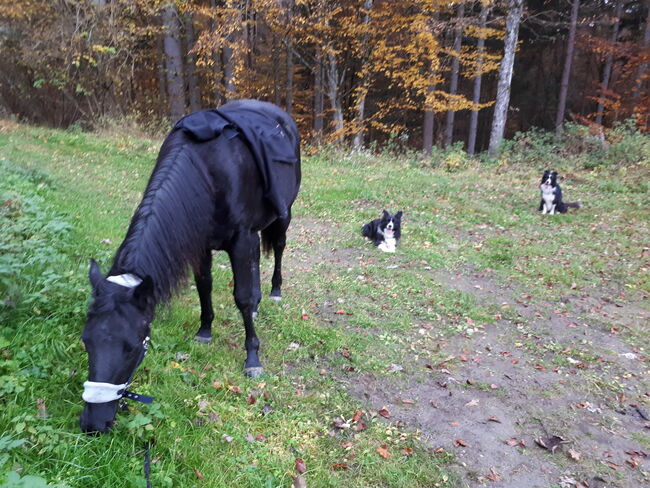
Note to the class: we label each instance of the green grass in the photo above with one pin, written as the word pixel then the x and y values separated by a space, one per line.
pixel 210 426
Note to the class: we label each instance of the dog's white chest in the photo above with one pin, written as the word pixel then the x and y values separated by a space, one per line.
pixel 388 245
pixel 548 195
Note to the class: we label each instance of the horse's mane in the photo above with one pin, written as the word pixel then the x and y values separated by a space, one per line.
pixel 168 232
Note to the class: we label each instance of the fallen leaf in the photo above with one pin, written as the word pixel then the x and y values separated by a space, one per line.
pixel 234 389
pixel 260 437
pixel 551 443
pixel 251 399
pixel 408 451
pixel 493 475
pixel 512 442
pixel 383 452
pixel 494 419
pixel 407 401
pixel 633 462
pixel 267 409
pixel 300 466
pixel 198 473
pixel 612 465
pixel 203 405
pixel 299 482
pixel 460 443
pixel 384 412
pixel 472 403
pixel 340 466
pixel 573 454
pixel 454 424
pixel 227 438
pixel 394 368
pixel 357 416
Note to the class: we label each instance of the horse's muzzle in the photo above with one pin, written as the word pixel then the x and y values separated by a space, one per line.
pixel 98 418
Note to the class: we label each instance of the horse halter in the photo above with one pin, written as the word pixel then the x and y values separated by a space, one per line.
pixel 99 392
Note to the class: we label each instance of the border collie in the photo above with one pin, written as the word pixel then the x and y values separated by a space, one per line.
pixel 551 201
pixel 384 232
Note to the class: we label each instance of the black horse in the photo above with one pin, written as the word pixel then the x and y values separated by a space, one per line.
pixel 205 193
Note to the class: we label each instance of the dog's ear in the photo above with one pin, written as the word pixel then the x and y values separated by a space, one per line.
pixel 554 173
pixel 385 214
pixel 398 215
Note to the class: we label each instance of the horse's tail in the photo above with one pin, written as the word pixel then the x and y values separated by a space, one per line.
pixel 275 235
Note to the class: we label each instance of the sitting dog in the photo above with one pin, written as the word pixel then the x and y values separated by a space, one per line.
pixel 551 201
pixel 384 232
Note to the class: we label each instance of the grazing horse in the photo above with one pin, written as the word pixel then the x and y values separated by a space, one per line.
pixel 205 193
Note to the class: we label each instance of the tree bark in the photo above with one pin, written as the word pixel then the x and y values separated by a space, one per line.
pixel 290 67
pixel 194 93
pixel 515 11
pixel 607 69
pixel 429 112
pixel 455 68
pixel 319 104
pixel 566 72
pixel 334 94
pixel 638 88
pixel 476 95
pixel 361 91
pixel 174 63
pixel 216 59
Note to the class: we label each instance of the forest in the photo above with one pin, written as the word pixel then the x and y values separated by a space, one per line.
pixel 418 73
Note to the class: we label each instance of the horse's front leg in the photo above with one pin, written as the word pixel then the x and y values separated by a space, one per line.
pixel 245 261
pixel 203 279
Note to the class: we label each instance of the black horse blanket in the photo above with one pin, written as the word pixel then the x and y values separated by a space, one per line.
pixel 270 134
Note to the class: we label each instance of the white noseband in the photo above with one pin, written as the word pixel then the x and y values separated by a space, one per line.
pixel 96 392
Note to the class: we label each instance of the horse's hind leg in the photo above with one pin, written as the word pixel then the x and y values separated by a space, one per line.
pixel 275 236
pixel 245 260
pixel 203 279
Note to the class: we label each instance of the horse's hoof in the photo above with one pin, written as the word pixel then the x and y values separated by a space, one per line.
pixel 203 339
pixel 254 372
pixel 276 298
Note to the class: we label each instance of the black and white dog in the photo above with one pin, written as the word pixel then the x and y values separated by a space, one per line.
pixel 551 201
pixel 384 232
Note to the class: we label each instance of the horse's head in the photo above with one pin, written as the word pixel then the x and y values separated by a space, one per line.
pixel 118 323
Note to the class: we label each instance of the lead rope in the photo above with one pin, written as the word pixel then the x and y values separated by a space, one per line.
pixel 147 463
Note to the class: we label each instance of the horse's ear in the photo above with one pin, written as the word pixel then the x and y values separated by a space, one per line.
pixel 94 274
pixel 143 293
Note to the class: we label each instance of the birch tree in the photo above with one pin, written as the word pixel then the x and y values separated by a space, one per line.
pixel 515 12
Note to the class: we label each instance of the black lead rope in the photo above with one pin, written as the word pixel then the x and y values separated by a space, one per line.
pixel 147 463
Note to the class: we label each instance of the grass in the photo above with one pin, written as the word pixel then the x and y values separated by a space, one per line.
pixel 347 311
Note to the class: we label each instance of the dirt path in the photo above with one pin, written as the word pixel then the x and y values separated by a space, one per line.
pixel 503 387
pixel 540 370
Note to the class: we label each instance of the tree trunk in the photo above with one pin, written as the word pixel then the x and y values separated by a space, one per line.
pixel 638 88
pixel 361 91
pixel 192 76
pixel 277 94
pixel 515 11
pixel 334 94
pixel 290 68
pixel 566 72
pixel 476 95
pixel 174 63
pixel 216 58
pixel 455 68
pixel 227 53
pixel 319 104
pixel 289 91
pixel 429 111
pixel 607 70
